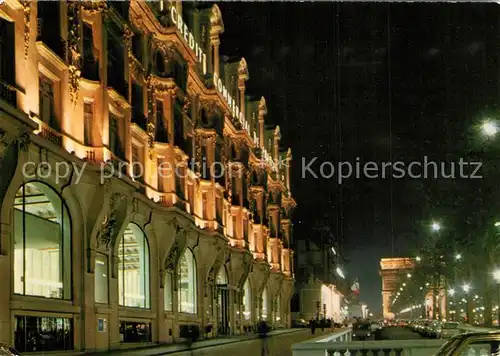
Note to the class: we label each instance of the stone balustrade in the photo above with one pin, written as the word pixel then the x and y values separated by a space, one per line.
pixel 340 344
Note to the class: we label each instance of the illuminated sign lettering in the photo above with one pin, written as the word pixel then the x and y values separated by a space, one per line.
pixel 189 38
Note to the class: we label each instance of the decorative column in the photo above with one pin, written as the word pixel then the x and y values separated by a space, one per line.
pixel 287 169
pixel 276 143
pixel 262 113
pixel 242 78
pixel 217 27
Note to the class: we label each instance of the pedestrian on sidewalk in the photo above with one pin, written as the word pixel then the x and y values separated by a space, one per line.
pixel 263 330
pixel 312 325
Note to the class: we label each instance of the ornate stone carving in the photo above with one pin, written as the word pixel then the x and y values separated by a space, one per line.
pixel 167 47
pixel 24 139
pixel 108 227
pixel 74 75
pixel 27 24
pixel 94 6
pixel 210 107
pixel 243 70
pixel 127 39
pixel 73 52
pixel 151 127
pixel 172 257
pixel 216 23
pixel 262 107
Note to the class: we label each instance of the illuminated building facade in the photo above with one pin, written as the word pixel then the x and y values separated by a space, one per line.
pixel 142 194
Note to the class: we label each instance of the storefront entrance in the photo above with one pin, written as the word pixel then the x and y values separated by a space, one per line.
pixel 223 310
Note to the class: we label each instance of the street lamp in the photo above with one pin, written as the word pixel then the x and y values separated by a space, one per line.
pixel 436 226
pixel 496 275
pixel 451 292
pixel 408 275
pixel 489 128
pixel 466 287
pixel 418 258
pixel 458 256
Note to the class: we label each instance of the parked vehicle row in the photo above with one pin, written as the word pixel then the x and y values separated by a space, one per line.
pixel 435 328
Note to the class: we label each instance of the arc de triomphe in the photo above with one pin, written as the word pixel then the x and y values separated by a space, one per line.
pixel 390 269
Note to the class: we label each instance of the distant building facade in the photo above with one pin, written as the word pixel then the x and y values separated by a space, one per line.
pixel 142 196
pixel 318 288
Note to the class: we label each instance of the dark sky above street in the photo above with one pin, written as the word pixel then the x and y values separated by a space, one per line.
pixel 378 81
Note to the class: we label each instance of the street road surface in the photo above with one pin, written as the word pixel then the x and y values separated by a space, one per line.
pixel 278 345
pixel 397 333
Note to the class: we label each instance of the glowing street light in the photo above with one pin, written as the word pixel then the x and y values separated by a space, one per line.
pixel 489 128
pixel 451 292
pixel 436 226
pixel 466 287
pixel 408 275
pixel 418 258
pixel 497 224
pixel 340 273
pixel 458 256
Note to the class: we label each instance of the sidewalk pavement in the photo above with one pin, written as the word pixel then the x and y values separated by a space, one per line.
pixel 173 348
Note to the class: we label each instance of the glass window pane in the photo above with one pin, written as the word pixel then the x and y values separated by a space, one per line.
pixel 168 292
pixel 265 303
pixel 42 249
pixel 42 334
pixel 187 283
pixel 247 301
pixel 101 278
pixel 133 276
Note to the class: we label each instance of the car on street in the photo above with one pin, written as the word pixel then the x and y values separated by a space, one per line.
pixel 471 344
pixel 361 331
pixel 6 350
pixel 449 329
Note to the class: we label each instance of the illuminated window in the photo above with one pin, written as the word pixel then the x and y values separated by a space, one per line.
pixel 168 292
pixel 42 243
pixel 247 300
pixel 88 121
pixel 101 278
pixel 133 268
pixel 222 277
pixel 278 308
pixel 186 271
pixel 47 101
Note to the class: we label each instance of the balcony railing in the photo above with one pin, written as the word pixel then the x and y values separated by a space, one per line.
pixel 48 132
pixel 8 93
pixel 90 156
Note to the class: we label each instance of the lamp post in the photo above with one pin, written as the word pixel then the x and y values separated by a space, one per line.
pixel 451 292
pixel 496 275
pixel 436 228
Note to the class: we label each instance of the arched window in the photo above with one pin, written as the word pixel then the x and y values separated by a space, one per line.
pixel 265 304
pixel 133 268
pixel 186 270
pixel 42 243
pixel 247 300
pixel 222 276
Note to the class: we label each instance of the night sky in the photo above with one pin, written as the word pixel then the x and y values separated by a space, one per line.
pixel 378 81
